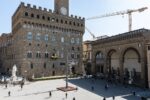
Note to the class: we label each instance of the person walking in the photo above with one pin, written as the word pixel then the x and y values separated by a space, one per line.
pixel 104 98
pixel 134 93
pixel 50 94
pixel 66 95
pixel 8 93
pixel 113 97
pixel 92 88
pixel 74 98
pixel 6 85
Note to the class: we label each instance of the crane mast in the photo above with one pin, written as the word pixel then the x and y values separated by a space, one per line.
pixel 129 12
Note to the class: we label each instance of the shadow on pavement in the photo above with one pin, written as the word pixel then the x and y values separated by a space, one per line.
pixel 99 88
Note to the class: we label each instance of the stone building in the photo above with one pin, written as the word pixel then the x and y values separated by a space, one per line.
pixel 44 41
pixel 87 56
pixel 123 57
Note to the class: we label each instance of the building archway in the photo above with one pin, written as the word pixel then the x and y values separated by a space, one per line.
pixel 113 63
pixel 131 65
pixel 99 63
pixel 88 68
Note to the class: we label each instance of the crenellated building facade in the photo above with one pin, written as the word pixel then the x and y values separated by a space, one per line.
pixel 44 41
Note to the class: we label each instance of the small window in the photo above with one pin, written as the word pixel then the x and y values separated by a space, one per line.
pixel 46 45
pixel 72 40
pixel 31 65
pixel 78 48
pixel 26 13
pixel 62 63
pixel 62 21
pixel 62 55
pixel 29 54
pixel 74 23
pixel 78 41
pixel 73 48
pixel 57 20
pixel 70 23
pixel 32 15
pixel 43 17
pixel 38 55
pixel 53 19
pixel 53 65
pixel 53 38
pixel 44 65
pixel 48 18
pixel 78 56
pixel 29 44
pixel 72 55
pixel 46 55
pixel 37 16
pixel 65 22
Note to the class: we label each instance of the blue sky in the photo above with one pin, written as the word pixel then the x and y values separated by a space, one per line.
pixel 88 8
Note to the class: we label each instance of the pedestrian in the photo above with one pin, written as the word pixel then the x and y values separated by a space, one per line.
pixel 92 88
pixel 74 98
pixel 134 93
pixel 66 95
pixel 76 88
pixel 8 93
pixel 104 98
pixel 6 86
pixel 106 87
pixel 21 86
pixel 113 97
pixel 50 94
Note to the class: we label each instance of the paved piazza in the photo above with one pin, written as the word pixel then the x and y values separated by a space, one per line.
pixel 40 91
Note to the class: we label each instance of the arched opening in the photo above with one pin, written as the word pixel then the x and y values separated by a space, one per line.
pixel 132 66
pixel 99 65
pixel 113 64
pixel 88 68
pixel 73 70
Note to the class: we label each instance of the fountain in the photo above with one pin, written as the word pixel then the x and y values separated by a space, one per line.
pixel 14 78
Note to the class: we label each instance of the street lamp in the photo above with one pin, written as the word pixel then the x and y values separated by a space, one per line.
pixel 67 88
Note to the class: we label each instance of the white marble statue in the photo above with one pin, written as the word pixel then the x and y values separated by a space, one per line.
pixel 14 70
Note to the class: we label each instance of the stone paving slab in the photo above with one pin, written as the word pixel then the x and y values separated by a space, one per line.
pixel 40 91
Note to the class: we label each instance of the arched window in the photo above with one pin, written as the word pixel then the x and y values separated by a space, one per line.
pixel 38 55
pixel 46 37
pixel 43 17
pixel 38 36
pixel 48 18
pixel 32 15
pixel 72 40
pixel 62 39
pixel 46 55
pixel 31 65
pixel 78 40
pixel 53 38
pixel 29 36
pixel 26 14
pixel 29 54
pixel 37 16
pixel 44 65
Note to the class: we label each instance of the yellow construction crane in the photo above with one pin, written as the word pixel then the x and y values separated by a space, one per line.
pixel 129 12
